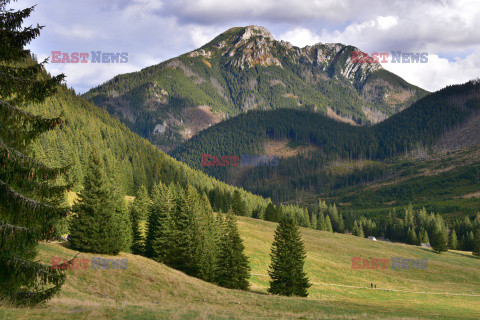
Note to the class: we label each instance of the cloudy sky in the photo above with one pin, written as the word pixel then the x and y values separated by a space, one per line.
pixel 152 31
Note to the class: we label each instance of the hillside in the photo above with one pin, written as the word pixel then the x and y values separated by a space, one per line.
pixel 149 290
pixel 129 160
pixel 247 69
pixel 324 157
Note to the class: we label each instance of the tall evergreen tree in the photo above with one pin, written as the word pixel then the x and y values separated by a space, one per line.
pixel 412 236
pixel 314 220
pixel 232 270
pixel 29 196
pixel 270 213
pixel 208 245
pixel 288 258
pixel 469 241
pixel 238 205
pixel 328 224
pixel 139 211
pixel 423 236
pixel 438 240
pixel 453 244
pixel 321 222
pixel 358 230
pixel 97 226
pixel 160 225
pixel 183 232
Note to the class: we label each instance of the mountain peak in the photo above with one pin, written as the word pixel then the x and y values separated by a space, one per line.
pixel 254 30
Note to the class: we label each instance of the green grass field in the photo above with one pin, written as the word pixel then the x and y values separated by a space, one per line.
pixel 149 290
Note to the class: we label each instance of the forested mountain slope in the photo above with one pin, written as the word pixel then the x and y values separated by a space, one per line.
pixel 246 69
pixel 129 159
pixel 325 141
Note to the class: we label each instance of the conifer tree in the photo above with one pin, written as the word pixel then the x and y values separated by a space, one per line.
pixel 321 224
pixel 453 244
pixel 411 236
pixel 160 225
pixel 238 205
pixel 270 213
pixel 183 232
pixel 469 241
pixel 438 240
pixel 120 204
pixel 322 206
pixel 423 235
pixel 328 224
pixel 97 226
pixel 139 211
pixel 29 197
pixel 314 220
pixel 341 224
pixel 358 230
pixel 232 269
pixel 288 258
pixel 333 214
pixel 207 247
pixel 476 244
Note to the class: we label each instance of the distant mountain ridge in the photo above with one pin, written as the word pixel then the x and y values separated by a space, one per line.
pixel 245 68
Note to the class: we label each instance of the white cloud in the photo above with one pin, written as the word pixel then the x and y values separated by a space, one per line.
pixel 386 23
pixel 76 31
pixel 85 76
pixel 437 72
pixel 300 37
pixel 154 30
pixel 201 35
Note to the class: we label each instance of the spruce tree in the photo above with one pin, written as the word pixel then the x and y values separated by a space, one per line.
pixel 182 235
pixel 270 213
pixel 208 245
pixel 29 197
pixel 97 226
pixel 438 240
pixel 341 224
pixel 238 205
pixel 321 225
pixel 453 244
pixel 160 225
pixel 314 220
pixel 328 224
pixel 358 230
pixel 476 244
pixel 232 269
pixel 423 235
pixel 469 241
pixel 139 211
pixel 412 236
pixel 288 258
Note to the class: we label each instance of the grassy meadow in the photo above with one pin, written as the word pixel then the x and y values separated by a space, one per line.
pixel 149 290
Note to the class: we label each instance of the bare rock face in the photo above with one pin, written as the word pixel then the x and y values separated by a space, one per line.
pixel 252 47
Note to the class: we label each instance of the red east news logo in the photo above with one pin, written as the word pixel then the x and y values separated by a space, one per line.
pixel 224 161
pixel 359 263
